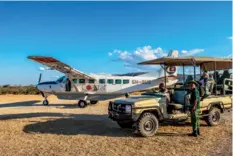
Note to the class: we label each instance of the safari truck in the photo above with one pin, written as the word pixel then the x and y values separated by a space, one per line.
pixel 144 113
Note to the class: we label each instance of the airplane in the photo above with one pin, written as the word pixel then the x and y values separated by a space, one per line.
pixel 76 85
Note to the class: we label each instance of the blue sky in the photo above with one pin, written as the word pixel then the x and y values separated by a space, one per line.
pixel 99 37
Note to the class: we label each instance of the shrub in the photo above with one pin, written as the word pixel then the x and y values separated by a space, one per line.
pixel 7 89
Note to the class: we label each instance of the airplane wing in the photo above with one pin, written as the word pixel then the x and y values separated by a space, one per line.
pixel 59 66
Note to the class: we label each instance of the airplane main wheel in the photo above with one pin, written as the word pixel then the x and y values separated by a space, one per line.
pixel 93 102
pixel 82 104
pixel 45 102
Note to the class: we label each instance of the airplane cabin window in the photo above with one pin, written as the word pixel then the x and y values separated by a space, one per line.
pixel 102 81
pixel 91 81
pixel 81 80
pixel 117 81
pixel 110 81
pixel 125 81
pixel 75 80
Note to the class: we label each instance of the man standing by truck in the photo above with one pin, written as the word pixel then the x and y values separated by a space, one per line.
pixel 195 108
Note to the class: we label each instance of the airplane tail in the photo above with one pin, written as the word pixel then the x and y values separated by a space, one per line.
pixel 171 71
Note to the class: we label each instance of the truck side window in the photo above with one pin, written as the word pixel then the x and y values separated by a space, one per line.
pixel 110 81
pixel 101 81
pixel 91 81
pixel 117 81
pixel 125 81
pixel 81 80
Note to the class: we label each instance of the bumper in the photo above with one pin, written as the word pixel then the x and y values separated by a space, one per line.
pixel 119 116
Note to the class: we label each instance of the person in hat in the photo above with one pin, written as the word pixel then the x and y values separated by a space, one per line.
pixel 195 109
pixel 164 90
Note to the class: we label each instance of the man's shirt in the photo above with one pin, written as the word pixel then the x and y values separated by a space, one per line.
pixel 195 96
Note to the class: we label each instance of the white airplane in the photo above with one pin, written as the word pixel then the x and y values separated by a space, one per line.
pixel 76 85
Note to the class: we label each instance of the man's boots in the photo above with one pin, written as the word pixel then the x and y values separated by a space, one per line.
pixel 194 133
pixel 198 131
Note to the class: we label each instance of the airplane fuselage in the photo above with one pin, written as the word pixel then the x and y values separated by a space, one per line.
pixel 103 84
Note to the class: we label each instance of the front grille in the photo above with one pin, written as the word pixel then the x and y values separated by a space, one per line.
pixel 118 108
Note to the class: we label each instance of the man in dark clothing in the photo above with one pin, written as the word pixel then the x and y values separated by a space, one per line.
pixel 163 89
pixel 195 103
pixel 68 85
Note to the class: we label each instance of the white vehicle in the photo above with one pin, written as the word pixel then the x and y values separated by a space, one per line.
pixel 76 85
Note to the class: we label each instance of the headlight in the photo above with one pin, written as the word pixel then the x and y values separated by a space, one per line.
pixel 128 108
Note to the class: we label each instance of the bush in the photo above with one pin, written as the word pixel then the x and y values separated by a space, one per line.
pixel 7 89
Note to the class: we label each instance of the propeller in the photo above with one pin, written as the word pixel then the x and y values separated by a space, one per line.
pixel 39 82
pixel 40 78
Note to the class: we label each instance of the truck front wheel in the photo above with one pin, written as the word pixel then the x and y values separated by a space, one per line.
pixel 214 116
pixel 147 125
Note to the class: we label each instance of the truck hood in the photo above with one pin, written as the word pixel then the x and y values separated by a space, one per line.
pixel 134 99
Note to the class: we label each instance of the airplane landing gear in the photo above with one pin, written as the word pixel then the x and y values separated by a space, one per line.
pixel 82 103
pixel 45 102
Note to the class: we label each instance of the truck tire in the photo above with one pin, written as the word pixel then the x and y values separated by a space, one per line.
pixel 214 116
pixel 147 125
pixel 125 124
pixel 93 102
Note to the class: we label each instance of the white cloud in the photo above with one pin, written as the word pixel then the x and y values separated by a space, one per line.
pixel 42 68
pixel 140 54
pixel 191 52
pixel 130 59
pixel 230 38
pixel 228 56
pixel 109 54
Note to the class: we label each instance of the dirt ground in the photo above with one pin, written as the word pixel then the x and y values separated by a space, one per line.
pixel 29 128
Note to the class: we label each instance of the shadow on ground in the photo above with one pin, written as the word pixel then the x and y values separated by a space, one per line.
pixel 35 103
pixel 20 104
pixel 84 124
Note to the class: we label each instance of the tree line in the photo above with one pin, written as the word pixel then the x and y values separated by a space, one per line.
pixel 26 90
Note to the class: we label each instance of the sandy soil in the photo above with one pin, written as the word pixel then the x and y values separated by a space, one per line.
pixel 28 128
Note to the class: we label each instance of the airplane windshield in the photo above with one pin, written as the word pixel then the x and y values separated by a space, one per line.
pixel 60 79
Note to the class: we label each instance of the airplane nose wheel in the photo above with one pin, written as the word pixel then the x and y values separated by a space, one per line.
pixel 45 102
pixel 82 103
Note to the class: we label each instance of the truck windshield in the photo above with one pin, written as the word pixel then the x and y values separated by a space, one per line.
pixel 60 79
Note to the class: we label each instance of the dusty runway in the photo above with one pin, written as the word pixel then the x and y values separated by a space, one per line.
pixel 28 128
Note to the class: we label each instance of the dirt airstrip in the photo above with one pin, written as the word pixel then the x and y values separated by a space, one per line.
pixel 29 128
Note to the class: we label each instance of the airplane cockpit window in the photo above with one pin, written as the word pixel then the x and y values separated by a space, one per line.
pixel 60 79
pixel 110 81
pixel 102 81
pixel 91 81
pixel 125 81
pixel 81 80
pixel 117 81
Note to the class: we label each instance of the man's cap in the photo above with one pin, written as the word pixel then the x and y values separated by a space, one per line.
pixel 193 82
